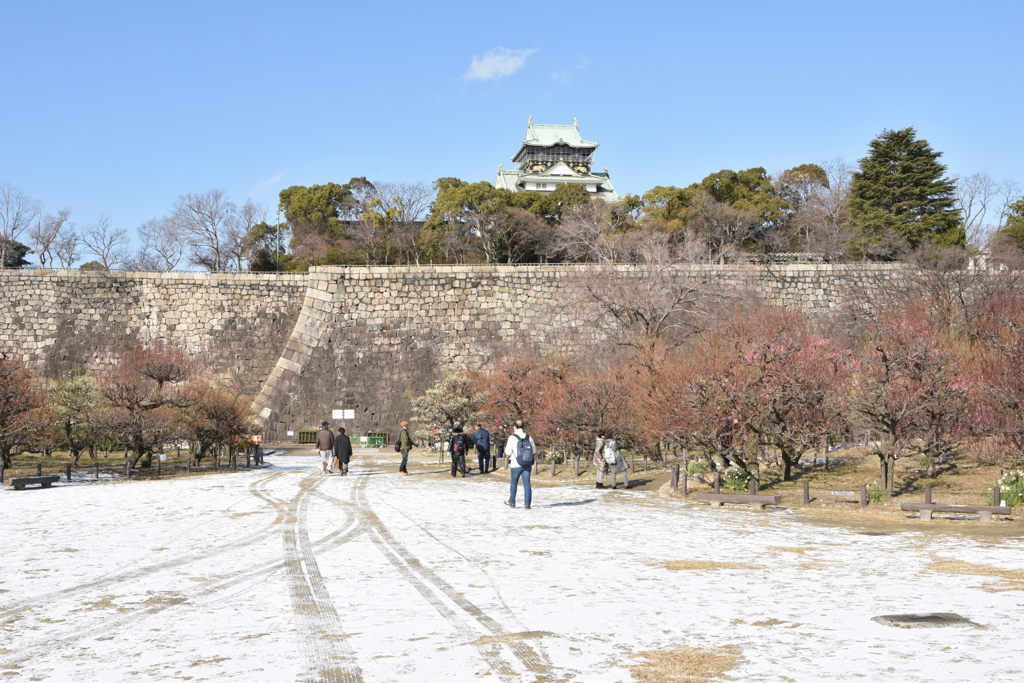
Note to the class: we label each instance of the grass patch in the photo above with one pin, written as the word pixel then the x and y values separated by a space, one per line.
pixel 510 637
pixel 1011 579
pixel 685 664
pixel 703 565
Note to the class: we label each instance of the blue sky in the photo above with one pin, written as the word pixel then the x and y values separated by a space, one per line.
pixel 118 108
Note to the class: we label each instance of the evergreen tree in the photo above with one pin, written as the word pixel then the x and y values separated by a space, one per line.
pixel 1012 231
pixel 900 197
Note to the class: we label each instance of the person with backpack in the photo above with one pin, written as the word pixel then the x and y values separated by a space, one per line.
pixel 520 450
pixel 482 439
pixel 403 446
pixel 325 446
pixel 458 444
pixel 616 461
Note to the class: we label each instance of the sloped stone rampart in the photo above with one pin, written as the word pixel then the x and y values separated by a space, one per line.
pixel 367 338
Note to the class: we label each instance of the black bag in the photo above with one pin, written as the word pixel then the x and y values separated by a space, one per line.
pixel 398 446
pixel 459 444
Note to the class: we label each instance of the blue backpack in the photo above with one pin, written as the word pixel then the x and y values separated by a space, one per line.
pixel 525 452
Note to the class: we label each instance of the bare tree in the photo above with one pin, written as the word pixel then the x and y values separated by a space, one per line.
pixel 67 247
pixel 204 220
pixel 391 219
pixel 47 232
pixel 721 228
pixel 163 245
pixel 824 216
pixel 106 243
pixel 17 213
pixel 237 247
pixel 586 233
pixel 647 309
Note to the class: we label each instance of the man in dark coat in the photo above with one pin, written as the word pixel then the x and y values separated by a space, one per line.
pixel 458 444
pixel 342 451
pixel 482 440
pixel 405 444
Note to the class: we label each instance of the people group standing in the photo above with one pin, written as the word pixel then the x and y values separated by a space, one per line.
pixel 482 441
pixel 520 450
pixel 342 451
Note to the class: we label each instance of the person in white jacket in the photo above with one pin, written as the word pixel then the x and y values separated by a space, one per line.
pixel 515 454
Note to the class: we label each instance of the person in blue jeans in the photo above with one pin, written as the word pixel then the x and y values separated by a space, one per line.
pixel 482 439
pixel 520 470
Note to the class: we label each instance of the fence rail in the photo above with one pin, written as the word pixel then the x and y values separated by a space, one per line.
pixel 113 469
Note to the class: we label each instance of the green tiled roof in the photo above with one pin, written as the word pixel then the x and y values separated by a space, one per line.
pixel 546 135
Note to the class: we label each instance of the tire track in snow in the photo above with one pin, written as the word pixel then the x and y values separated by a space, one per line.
pixel 40 601
pixel 322 641
pixel 413 570
pixel 257 575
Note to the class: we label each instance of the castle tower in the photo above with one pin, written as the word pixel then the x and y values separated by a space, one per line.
pixel 554 155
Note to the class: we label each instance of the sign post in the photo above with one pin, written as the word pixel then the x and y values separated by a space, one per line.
pixel 343 414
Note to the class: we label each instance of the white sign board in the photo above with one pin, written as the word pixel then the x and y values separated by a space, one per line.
pixel 342 414
pixel 291 433
pixel 163 457
pixel 350 415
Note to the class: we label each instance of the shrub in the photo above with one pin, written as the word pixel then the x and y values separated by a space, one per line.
pixel 697 467
pixel 1011 487
pixel 736 479
pixel 556 458
pixel 875 493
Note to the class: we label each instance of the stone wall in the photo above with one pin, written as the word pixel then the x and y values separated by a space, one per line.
pixel 66 320
pixel 367 339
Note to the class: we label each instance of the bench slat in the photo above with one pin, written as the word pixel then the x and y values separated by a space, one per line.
pixel 935 507
pixel 739 498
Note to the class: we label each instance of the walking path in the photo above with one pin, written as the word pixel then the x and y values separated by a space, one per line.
pixel 281 574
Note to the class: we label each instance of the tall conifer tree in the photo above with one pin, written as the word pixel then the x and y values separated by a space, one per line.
pixel 901 197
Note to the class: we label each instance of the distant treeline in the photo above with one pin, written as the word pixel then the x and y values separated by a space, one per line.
pixel 893 203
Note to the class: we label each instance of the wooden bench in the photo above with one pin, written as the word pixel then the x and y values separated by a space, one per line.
pixel 19 483
pixel 758 501
pixel 984 512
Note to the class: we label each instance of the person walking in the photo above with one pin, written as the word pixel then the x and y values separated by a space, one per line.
pixel 616 461
pixel 325 444
pixel 482 440
pixel 520 450
pixel 342 451
pixel 405 444
pixel 600 464
pixel 458 443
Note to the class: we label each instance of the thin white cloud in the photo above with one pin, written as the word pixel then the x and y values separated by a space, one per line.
pixel 264 185
pixel 263 189
pixel 497 63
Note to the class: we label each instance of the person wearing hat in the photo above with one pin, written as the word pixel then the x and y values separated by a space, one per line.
pixel 325 444
pixel 342 451
pixel 405 444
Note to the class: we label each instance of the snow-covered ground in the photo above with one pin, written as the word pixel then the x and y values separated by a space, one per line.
pixel 283 575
